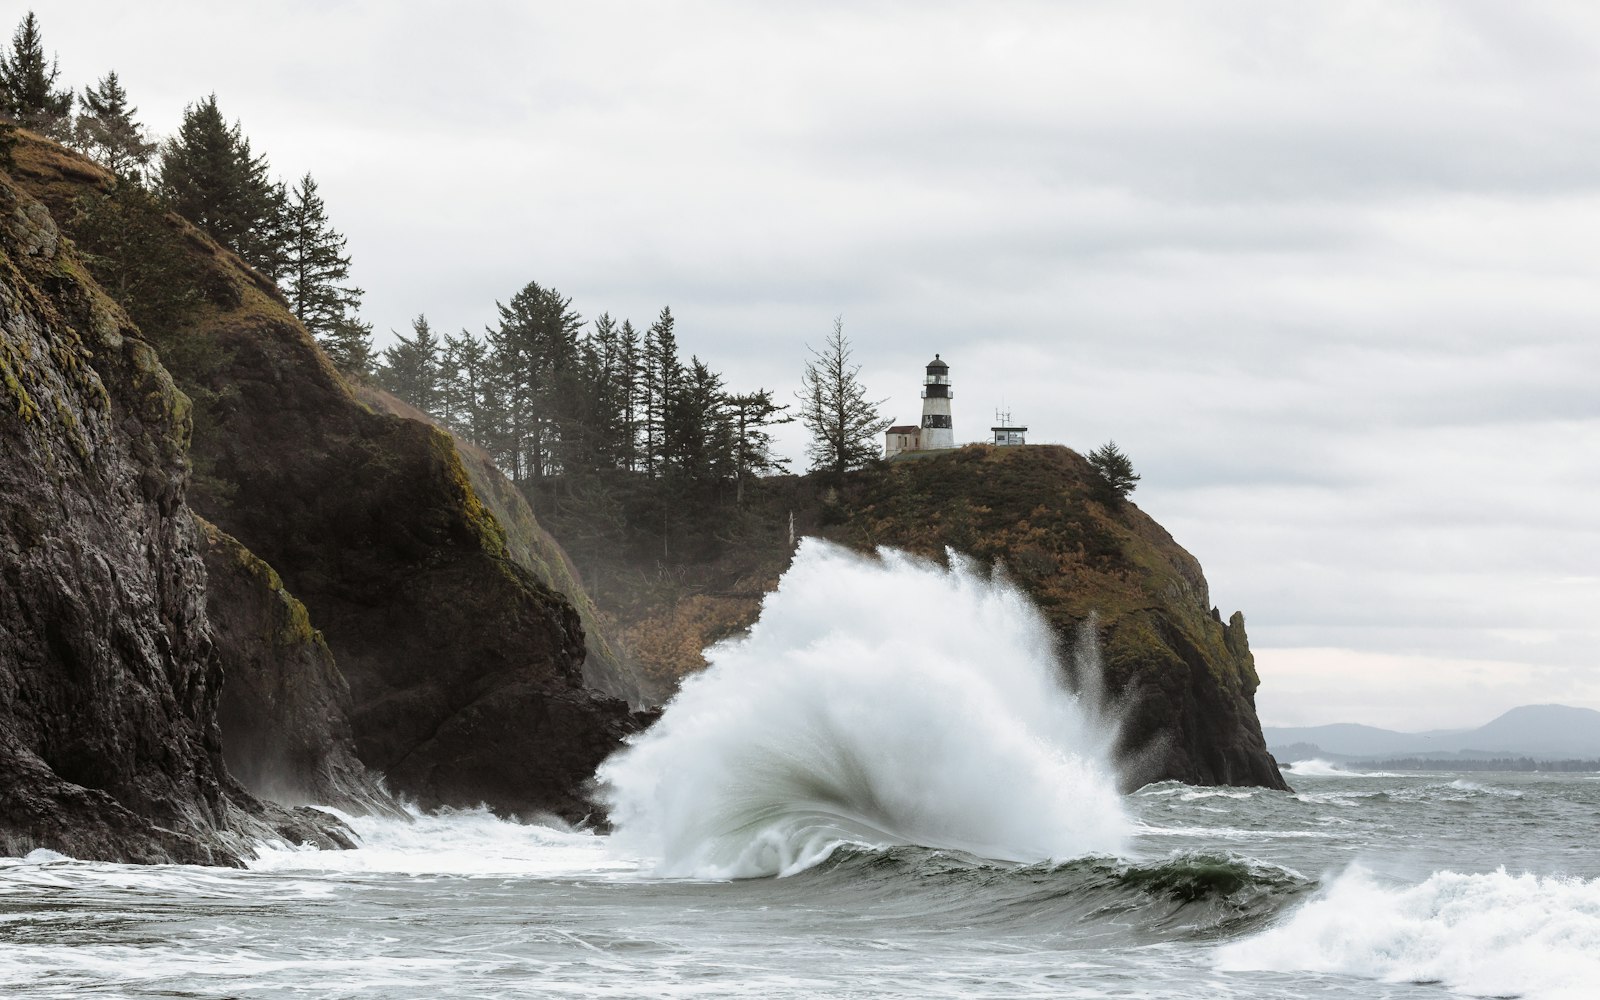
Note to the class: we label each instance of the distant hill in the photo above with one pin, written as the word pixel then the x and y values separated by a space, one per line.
pixel 1553 731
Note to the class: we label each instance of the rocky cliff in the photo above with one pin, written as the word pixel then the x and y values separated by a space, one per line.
pixel 533 548
pixel 285 706
pixel 1180 675
pixel 465 667
pixel 109 680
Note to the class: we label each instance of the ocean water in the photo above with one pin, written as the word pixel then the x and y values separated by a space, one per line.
pixel 852 804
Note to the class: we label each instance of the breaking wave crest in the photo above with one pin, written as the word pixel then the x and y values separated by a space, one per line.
pixel 878 702
pixel 1491 935
pixel 1316 767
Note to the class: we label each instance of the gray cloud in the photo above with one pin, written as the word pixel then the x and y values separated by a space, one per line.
pixel 1326 272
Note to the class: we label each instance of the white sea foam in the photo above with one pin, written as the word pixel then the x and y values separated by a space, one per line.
pixel 1483 935
pixel 1462 785
pixel 1194 795
pixel 1316 767
pixel 452 842
pixel 1145 829
pixel 877 701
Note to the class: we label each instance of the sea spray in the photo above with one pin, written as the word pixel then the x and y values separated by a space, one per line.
pixel 877 701
pixel 1488 935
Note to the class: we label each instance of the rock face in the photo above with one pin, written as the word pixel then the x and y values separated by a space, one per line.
pixel 1182 680
pixel 533 548
pixel 465 667
pixel 109 681
pixel 285 707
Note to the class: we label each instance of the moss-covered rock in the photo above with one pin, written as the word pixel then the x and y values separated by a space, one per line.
pixel 109 747
pixel 533 548
pixel 285 707
pixel 372 521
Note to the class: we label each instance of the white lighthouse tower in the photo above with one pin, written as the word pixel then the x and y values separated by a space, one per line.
pixel 936 430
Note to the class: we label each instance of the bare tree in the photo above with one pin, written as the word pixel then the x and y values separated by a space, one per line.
pixel 844 424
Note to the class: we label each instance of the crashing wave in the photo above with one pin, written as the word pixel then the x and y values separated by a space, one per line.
pixel 877 701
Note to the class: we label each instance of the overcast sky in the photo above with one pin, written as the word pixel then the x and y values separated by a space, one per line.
pixel 1327 272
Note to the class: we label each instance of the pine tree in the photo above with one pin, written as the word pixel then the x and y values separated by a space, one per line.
pixel 660 374
pixel 315 266
pixel 596 435
pixel 1117 478
pixel 411 367
pixel 210 177
pixel 697 447
pixel 749 415
pixel 630 361
pixel 844 424
pixel 348 344
pixel 467 382
pixel 145 265
pixel 536 352
pixel 106 130
pixel 27 85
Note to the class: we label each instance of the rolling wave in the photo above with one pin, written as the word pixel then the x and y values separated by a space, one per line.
pixel 1490 935
pixel 1188 894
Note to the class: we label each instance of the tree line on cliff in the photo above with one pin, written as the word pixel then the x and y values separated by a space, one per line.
pixel 546 396
pixel 208 173
pixel 542 394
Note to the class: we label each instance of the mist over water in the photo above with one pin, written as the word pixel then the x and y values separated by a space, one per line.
pixel 877 702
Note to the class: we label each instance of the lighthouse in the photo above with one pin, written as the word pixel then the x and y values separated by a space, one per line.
pixel 936 430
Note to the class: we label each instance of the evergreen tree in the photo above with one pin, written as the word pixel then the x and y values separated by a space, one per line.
pixel 210 177
pixel 630 362
pixel 844 424
pixel 697 446
pixel 315 266
pixel 659 377
pixel 749 415
pixel 28 94
pixel 536 351
pixel 467 367
pixel 411 367
pixel 106 130
pixel 1117 478
pixel 348 344
pixel 145 265
pixel 597 432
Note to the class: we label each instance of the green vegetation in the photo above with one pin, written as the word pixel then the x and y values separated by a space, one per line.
pixel 603 421
pixel 26 408
pixel 210 176
pixel 316 271
pixel 106 130
pixel 1117 478
pixel 142 263
pixel 28 92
